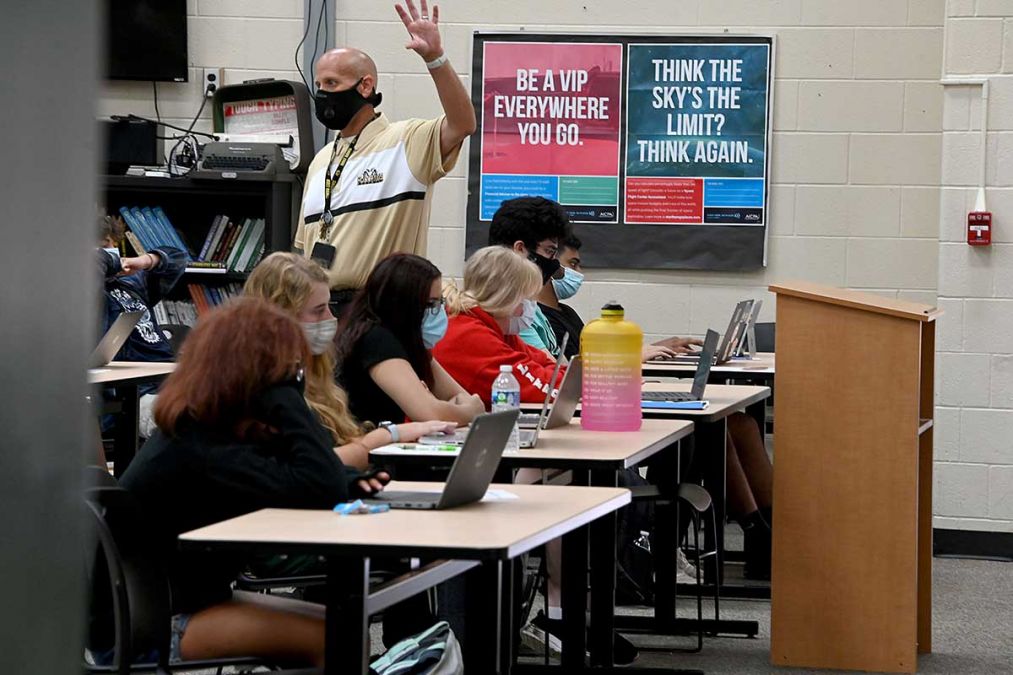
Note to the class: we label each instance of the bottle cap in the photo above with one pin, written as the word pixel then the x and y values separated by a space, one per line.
pixel 506 369
pixel 612 308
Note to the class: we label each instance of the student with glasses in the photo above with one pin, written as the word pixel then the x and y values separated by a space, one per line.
pixel 384 348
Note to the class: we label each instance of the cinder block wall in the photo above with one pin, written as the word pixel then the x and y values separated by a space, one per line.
pixel 872 171
pixel 974 441
pixel 857 122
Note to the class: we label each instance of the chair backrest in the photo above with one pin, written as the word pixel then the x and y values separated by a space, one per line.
pixel 176 334
pixel 764 336
pixel 137 576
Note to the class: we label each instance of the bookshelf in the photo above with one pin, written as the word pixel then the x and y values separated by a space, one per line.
pixel 192 207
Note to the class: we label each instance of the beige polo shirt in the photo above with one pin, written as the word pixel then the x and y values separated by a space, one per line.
pixel 381 204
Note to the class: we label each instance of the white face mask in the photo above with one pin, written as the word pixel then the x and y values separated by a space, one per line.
pixel 519 324
pixel 320 334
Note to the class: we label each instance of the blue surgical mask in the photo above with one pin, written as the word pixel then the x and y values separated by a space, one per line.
pixel 434 326
pixel 568 286
pixel 519 324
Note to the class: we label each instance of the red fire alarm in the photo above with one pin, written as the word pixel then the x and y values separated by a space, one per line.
pixel 979 228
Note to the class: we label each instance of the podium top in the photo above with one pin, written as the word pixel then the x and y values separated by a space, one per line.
pixel 857 300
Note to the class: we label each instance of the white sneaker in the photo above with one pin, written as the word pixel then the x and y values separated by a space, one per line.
pixel 685 570
pixel 533 642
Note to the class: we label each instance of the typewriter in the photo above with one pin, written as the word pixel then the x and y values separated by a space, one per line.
pixel 240 161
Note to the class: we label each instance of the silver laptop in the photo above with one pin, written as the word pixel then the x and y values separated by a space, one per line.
pixel 747 342
pixel 530 424
pixel 730 341
pixel 472 470
pixel 703 370
pixel 567 398
pixel 114 338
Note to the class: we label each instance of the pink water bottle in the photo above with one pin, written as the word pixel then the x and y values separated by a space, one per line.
pixel 610 349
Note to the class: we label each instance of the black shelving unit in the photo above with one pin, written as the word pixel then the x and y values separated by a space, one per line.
pixel 192 204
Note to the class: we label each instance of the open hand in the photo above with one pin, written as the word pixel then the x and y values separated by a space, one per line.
pixel 144 262
pixel 423 29
pixel 680 345
pixel 415 430
pixel 650 352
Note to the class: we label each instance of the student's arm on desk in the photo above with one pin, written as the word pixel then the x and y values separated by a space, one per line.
pixel 447 388
pixel 399 381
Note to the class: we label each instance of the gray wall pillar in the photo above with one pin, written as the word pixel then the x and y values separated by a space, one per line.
pixel 48 320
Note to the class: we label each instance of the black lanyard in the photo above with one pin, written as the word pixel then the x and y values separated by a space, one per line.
pixel 331 182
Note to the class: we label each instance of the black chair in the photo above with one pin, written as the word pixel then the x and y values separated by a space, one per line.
pixel 700 503
pixel 137 584
pixel 764 336
pixel 176 334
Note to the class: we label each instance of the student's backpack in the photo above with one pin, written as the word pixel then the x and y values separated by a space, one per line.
pixel 431 652
pixel 635 572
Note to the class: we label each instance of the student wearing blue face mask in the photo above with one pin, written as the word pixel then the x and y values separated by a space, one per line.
pixel 384 348
pixel 564 319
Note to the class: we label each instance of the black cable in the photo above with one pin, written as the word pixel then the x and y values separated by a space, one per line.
pixel 316 34
pixel 203 102
pixel 296 56
pixel 154 91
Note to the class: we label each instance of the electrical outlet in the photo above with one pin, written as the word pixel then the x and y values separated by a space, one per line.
pixel 213 78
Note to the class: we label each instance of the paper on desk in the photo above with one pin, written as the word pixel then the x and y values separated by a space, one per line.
pixel 498 496
pixel 422 450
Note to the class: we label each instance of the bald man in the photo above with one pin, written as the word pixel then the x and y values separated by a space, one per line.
pixel 367 194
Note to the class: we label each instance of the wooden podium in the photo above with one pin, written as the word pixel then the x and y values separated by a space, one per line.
pixel 851 586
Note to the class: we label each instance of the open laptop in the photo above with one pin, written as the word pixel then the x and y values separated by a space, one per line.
pixel 703 370
pixel 472 470
pixel 568 397
pixel 747 342
pixel 114 338
pixel 528 423
pixel 730 341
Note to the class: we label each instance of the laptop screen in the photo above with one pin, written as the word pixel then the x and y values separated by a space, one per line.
pixel 703 369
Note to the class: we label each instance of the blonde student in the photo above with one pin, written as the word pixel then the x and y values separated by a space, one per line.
pixel 299 286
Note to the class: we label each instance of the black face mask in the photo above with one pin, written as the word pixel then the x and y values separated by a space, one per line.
pixel 548 266
pixel 335 109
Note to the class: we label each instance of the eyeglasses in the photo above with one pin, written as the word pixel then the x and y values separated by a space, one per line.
pixel 548 252
pixel 434 304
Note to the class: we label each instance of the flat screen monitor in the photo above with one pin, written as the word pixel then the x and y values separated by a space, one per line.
pixel 146 40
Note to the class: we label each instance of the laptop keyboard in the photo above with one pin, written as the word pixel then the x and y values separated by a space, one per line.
pixel 667 396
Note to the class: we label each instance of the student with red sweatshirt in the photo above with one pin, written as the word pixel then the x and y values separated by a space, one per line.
pixel 494 304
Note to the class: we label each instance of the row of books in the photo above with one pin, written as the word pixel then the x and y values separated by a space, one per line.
pixel 202 299
pixel 150 228
pixel 231 245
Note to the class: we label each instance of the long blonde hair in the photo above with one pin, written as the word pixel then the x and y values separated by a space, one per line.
pixel 495 279
pixel 286 280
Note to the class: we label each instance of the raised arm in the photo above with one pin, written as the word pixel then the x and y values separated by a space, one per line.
pixel 424 32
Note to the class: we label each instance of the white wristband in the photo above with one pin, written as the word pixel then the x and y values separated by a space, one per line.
pixel 437 62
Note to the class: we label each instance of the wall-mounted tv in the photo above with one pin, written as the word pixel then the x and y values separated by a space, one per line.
pixel 146 40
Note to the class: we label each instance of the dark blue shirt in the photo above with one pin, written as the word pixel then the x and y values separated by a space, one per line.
pixel 141 291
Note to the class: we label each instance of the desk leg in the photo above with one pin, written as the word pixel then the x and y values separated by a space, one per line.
pixel 710 451
pixel 925 542
pixel 574 599
pixel 603 579
pixel 347 626
pixel 484 650
pixel 758 411
pixel 126 427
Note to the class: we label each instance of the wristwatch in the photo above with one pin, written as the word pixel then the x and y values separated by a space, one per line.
pixel 392 428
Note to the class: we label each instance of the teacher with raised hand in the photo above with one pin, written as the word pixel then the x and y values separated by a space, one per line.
pixel 367 194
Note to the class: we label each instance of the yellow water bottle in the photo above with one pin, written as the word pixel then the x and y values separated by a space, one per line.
pixel 610 349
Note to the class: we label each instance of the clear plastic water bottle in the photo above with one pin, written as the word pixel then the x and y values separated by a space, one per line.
pixel 506 395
